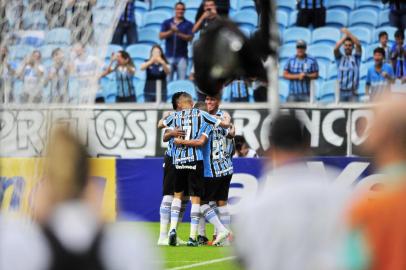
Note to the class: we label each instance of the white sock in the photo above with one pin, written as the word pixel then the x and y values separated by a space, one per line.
pixel 211 216
pixel 194 223
pixel 225 217
pixel 165 215
pixel 175 209
pixel 202 226
pixel 213 205
pixel 182 210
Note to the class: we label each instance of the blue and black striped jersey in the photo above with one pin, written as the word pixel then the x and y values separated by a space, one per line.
pixel 195 123
pixel 217 158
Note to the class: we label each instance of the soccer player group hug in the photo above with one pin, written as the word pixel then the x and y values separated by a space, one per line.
pixel 197 167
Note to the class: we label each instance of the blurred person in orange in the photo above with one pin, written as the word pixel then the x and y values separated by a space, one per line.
pixel 378 218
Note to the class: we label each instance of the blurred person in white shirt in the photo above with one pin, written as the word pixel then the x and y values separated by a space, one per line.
pixel 68 232
pixel 296 222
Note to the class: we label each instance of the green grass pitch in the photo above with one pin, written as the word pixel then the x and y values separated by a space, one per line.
pixel 182 256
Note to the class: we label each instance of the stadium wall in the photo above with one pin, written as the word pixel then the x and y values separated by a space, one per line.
pixel 130 131
pixel 132 188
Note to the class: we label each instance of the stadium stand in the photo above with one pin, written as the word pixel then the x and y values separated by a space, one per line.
pixel 364 18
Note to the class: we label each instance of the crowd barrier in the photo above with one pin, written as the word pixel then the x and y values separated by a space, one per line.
pixel 132 188
pixel 130 131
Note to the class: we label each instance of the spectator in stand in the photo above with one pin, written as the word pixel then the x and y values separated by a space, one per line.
pixel 398 55
pixel 127 26
pixel 383 40
pixel 380 76
pixel 209 15
pixel 177 32
pixel 311 12
pixel 157 68
pixel 239 90
pixel 348 66
pixel 397 15
pixel 7 70
pixel 84 69
pixel 124 71
pixel 31 72
pixel 242 148
pixel 58 77
pixel 300 70
pixel 223 8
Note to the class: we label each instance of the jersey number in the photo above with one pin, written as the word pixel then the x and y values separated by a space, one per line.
pixel 188 131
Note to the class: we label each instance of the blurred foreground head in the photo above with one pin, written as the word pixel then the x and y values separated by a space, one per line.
pixel 288 139
pixel 387 135
pixel 66 166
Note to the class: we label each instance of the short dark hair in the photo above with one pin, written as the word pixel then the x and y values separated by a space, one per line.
pixel 175 98
pixel 239 142
pixel 55 51
pixel 200 105
pixel 349 39
pixel 383 33
pixel 287 133
pixel 180 3
pixel 380 50
pixel 399 34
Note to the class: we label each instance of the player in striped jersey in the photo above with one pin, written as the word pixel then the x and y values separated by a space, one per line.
pixel 218 170
pixel 188 161
pixel 169 178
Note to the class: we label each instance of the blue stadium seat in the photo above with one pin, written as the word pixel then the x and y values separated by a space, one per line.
pixel 139 18
pixel 291 35
pixel 327 91
pixel 346 5
pixel 292 18
pixel 287 51
pixel 139 51
pixel 364 34
pixel 332 72
pixel 326 35
pixel 139 90
pixel 247 5
pixel 35 20
pixel 166 5
pixel 19 52
pixel 33 38
pixel 323 67
pixel 384 17
pixel 388 29
pixel 286 5
pixel 321 52
pixel 246 17
pixel 192 4
pixel 58 36
pixel 101 4
pixel 364 17
pixel 46 51
pixel 282 18
pixel 364 70
pixel 281 68
pixel 283 89
pixel 181 85
pixel 246 30
pixel 139 74
pixel 376 5
pixel 149 36
pixel 233 5
pixel 156 17
pixel 361 90
pixel 336 18
pixel 141 6
pixel 110 93
pixel 190 15
pixel 112 48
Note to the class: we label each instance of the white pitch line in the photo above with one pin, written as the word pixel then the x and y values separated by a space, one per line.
pixel 203 263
